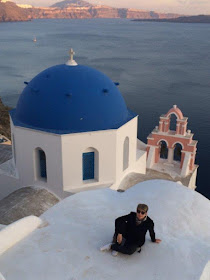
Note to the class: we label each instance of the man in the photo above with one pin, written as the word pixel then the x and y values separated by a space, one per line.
pixel 130 232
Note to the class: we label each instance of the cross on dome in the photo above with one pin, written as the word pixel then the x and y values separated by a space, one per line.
pixel 71 52
pixel 71 61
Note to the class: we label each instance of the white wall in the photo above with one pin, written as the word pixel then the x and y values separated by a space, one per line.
pixel 192 182
pixel 186 164
pixel 8 185
pixel 15 232
pixel 127 130
pixel 110 147
pixel 137 152
pixel 26 141
pixel 65 162
pixel 74 145
pixel 151 157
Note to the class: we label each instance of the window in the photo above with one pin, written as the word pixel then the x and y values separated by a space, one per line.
pixel 163 150
pixel 88 165
pixel 13 144
pixel 40 165
pixel 42 162
pixel 173 120
pixel 126 153
pixel 177 152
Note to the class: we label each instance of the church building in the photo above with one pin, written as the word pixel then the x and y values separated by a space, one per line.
pixel 72 131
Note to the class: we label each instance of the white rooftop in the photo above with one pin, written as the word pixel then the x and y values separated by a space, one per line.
pixel 68 248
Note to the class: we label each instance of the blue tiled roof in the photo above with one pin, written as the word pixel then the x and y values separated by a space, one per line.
pixel 69 99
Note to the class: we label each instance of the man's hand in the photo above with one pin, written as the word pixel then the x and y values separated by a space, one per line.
pixel 158 241
pixel 119 238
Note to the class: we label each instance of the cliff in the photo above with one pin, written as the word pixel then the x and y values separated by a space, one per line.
pixel 4 120
pixel 102 11
pixel 9 11
pixel 74 9
pixel 94 12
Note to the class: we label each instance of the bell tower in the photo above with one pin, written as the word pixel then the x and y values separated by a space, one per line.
pixel 175 150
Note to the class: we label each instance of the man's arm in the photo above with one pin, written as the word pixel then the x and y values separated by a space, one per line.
pixel 120 226
pixel 121 222
pixel 152 233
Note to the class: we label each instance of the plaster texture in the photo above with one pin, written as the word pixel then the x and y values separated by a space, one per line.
pixel 64 250
pixel 17 231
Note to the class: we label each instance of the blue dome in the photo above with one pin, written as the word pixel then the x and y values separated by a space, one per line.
pixel 68 99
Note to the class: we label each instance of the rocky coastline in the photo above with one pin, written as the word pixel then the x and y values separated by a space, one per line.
pixel 4 120
pixel 73 9
pixel 9 11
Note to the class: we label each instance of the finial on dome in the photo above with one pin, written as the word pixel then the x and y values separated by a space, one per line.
pixel 71 61
pixel 174 106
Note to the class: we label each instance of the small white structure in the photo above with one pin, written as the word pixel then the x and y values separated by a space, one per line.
pixel 15 232
pixel 71 131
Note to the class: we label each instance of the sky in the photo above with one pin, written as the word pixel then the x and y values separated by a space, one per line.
pixel 190 7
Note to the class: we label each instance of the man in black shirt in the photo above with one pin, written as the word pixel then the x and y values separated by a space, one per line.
pixel 130 232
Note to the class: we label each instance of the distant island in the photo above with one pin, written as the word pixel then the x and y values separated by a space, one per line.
pixel 185 19
pixel 71 9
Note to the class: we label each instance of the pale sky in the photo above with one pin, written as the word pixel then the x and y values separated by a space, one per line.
pixel 193 7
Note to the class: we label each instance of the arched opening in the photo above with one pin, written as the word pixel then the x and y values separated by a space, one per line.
pixel 90 164
pixel 163 150
pixel 40 165
pixel 126 153
pixel 177 152
pixel 173 119
pixel 13 145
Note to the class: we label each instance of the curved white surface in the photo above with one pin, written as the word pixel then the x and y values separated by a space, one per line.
pixel 2 277
pixel 206 272
pixel 13 233
pixel 68 248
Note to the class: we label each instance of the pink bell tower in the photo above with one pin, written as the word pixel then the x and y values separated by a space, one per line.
pixel 163 146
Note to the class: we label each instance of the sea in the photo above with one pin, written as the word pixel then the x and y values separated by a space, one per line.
pixel 158 65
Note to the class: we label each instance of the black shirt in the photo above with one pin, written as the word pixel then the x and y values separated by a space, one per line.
pixel 132 232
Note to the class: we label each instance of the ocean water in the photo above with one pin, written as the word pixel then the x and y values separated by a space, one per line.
pixel 156 64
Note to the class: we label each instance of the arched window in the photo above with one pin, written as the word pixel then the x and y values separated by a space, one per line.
pixel 13 145
pixel 163 150
pixel 126 153
pixel 177 152
pixel 90 164
pixel 173 119
pixel 40 164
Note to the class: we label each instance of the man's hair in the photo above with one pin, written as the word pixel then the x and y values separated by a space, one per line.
pixel 143 207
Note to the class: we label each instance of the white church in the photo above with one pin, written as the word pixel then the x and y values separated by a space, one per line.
pixel 72 131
